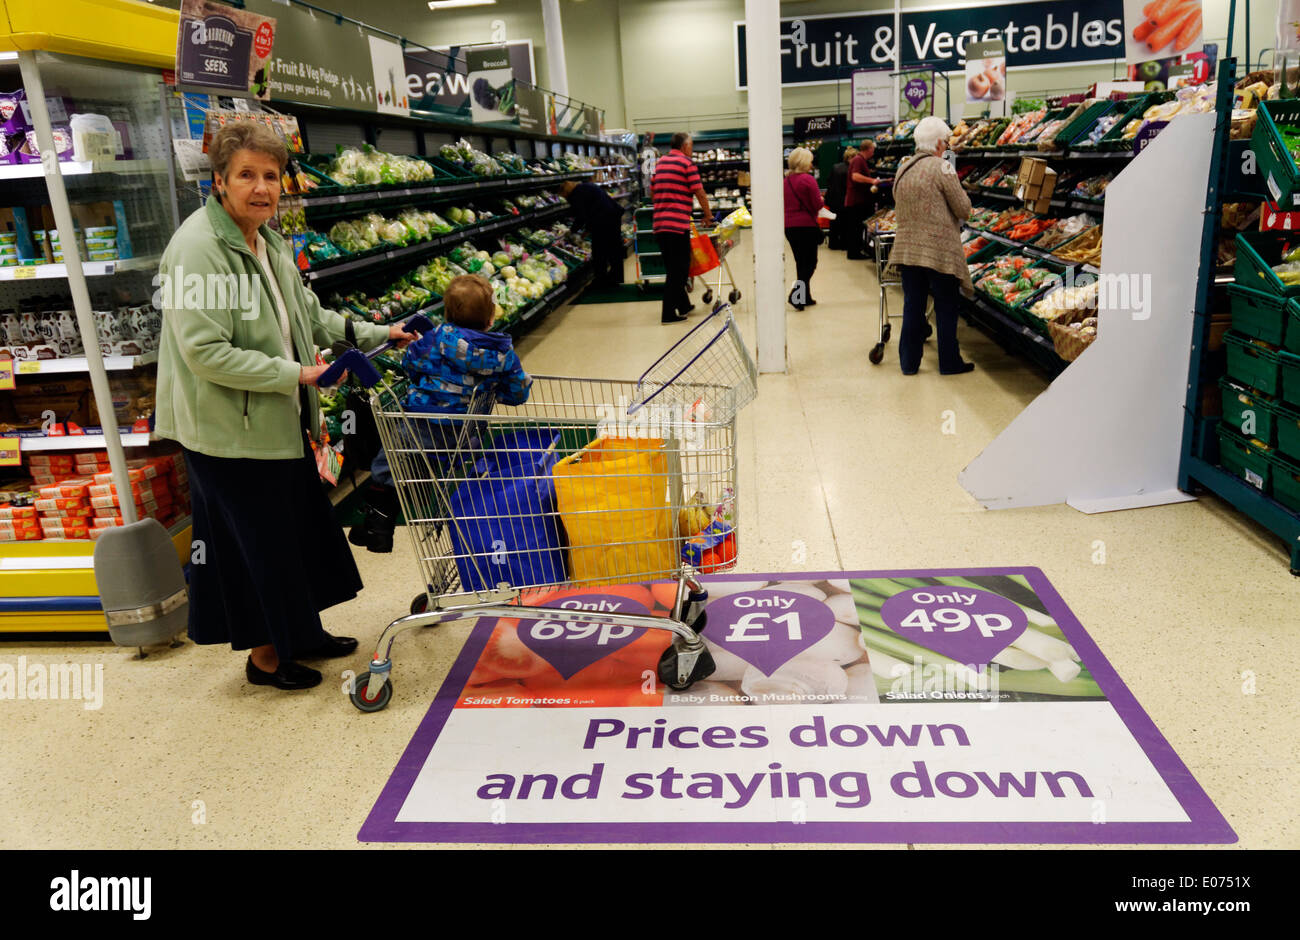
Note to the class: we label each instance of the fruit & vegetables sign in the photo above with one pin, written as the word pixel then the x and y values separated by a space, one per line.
pixel 957 706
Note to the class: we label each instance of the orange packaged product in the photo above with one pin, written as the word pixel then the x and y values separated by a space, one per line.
pixel 9 512
pixel 54 503
pixel 20 535
pixel 68 487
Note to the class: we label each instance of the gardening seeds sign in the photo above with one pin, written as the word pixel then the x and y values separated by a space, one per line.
pixel 901 706
pixel 218 46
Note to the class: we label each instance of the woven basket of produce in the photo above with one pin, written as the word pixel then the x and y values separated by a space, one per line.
pixel 1071 339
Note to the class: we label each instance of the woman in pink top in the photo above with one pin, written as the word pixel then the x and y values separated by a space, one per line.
pixel 803 200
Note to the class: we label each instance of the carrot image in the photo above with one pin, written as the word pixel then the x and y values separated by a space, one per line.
pixel 1171 26
pixel 1159 10
pixel 1146 10
pixel 1144 29
pixel 1191 29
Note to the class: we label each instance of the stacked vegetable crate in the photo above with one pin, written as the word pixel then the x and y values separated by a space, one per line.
pixel 1276 166
pixel 649 260
pixel 1259 435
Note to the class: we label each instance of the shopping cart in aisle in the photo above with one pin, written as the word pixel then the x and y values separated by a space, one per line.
pixel 724 239
pixel 882 244
pixel 590 483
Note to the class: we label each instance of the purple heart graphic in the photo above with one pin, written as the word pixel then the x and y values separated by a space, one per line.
pixel 965 624
pixel 768 628
pixel 572 647
pixel 916 92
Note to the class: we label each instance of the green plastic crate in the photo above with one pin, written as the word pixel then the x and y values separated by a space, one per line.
pixel 1289 365
pixel 1114 138
pixel 1254 364
pixel 1276 167
pixel 1257 252
pixel 1286 482
pixel 647 243
pixel 1079 127
pixel 1288 430
pixel 1250 460
pixel 1261 314
pixel 1249 412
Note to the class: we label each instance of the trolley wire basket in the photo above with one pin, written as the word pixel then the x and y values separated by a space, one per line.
pixel 590 482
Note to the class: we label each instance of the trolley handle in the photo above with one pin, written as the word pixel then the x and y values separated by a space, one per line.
pixel 358 362
pixel 642 402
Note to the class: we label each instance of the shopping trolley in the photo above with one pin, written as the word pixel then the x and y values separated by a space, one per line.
pixel 496 525
pixel 724 240
pixel 882 244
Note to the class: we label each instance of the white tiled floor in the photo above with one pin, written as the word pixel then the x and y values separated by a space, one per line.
pixel 842 466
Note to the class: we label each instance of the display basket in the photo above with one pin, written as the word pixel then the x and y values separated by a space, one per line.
pixel 1254 363
pixel 707 373
pixel 1244 408
pixel 1264 315
pixel 1289 367
pixel 1288 429
pixel 1257 252
pixel 1114 138
pixel 1286 481
pixel 1084 122
pixel 1276 166
pixel 1249 459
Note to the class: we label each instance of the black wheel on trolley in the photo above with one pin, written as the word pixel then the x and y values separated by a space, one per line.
pixel 419 604
pixel 704 667
pixel 877 353
pixel 733 297
pixel 708 297
pixel 379 702
pixel 886 333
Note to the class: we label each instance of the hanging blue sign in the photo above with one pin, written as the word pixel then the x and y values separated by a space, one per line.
pixel 821 49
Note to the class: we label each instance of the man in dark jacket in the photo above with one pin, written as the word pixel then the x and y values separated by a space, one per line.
pixel 835 193
pixel 602 217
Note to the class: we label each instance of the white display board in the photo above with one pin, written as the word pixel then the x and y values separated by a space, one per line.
pixel 1107 434
pixel 873 97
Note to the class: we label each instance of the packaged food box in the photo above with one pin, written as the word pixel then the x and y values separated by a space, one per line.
pixel 52 460
pixel 68 488
pixel 23 535
pixel 106 254
pixel 136 470
pixel 18 525
pixel 95 244
pixel 10 512
pixel 68 532
pixel 101 231
pixel 49 504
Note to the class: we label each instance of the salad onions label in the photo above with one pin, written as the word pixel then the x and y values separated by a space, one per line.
pixel 971 626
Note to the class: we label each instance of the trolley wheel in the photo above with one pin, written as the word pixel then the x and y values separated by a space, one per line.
pixel 708 297
pixel 379 702
pixel 733 297
pixel 704 667
pixel 419 603
pixel 877 353
pixel 886 333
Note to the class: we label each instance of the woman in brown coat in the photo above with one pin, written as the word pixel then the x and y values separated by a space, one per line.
pixel 931 206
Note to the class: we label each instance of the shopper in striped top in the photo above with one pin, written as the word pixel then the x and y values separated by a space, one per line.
pixel 676 181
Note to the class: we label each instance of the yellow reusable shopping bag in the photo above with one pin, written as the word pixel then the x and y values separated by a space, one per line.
pixel 613 499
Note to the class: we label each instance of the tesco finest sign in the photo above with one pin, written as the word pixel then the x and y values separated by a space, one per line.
pixel 824 124
pixel 827 48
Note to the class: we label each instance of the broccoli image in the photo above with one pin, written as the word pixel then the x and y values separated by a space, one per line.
pixel 485 94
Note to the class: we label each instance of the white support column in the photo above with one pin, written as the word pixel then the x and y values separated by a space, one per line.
pixel 763 75
pixel 557 71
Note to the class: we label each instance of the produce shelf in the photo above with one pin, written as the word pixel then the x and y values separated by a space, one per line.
pixel 435 191
pixel 1013 336
pixel 1245 498
pixel 411 253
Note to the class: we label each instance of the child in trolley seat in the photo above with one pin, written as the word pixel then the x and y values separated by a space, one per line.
pixel 447 368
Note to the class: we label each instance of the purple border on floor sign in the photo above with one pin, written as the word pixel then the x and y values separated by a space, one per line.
pixel 1205 823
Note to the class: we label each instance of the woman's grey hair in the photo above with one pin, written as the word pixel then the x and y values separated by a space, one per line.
pixel 245 135
pixel 800 160
pixel 929 131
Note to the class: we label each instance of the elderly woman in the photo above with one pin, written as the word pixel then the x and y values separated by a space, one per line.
pixel 930 205
pixel 237 370
pixel 803 200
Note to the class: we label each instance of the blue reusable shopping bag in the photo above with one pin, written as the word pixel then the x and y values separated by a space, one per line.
pixel 504 524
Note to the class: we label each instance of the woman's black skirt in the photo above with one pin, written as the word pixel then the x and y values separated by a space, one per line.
pixel 267 555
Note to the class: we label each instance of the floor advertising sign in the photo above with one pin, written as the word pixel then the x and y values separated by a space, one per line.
pixel 950 706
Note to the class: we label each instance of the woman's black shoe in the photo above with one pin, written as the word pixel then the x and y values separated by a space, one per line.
pixel 289 676
pixel 333 647
pixel 960 370
pixel 675 318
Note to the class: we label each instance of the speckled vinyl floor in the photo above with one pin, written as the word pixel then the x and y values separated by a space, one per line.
pixel 843 466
